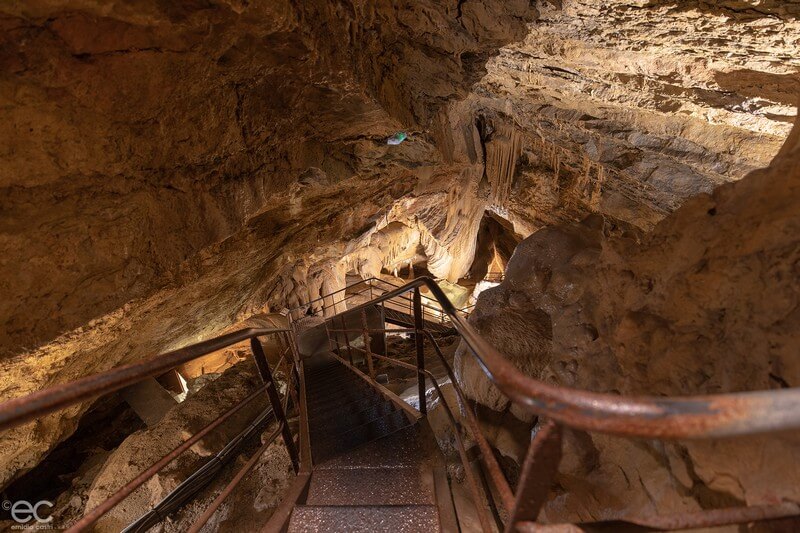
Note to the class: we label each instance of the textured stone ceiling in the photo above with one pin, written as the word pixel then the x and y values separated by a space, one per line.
pixel 170 168
pixel 671 99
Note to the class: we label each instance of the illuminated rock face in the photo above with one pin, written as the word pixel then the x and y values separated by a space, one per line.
pixel 706 303
pixel 172 169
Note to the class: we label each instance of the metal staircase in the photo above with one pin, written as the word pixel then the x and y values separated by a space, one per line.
pixel 397 310
pixel 374 459
pixel 367 461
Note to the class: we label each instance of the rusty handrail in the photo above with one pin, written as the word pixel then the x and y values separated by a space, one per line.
pixel 541 465
pixel 200 478
pixel 686 417
pixel 123 492
pixel 248 466
pixel 495 473
pixel 25 408
pixel 462 452
pixel 20 410
pixel 368 282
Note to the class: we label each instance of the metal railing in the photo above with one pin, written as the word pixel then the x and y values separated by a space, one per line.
pixel 21 410
pixel 692 417
pixel 689 417
pixel 372 288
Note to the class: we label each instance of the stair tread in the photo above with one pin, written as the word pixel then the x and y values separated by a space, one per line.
pixel 332 444
pixel 399 449
pixel 329 409
pixel 339 382
pixel 341 398
pixel 348 417
pixel 371 486
pixel 346 382
pixel 376 422
pixel 365 519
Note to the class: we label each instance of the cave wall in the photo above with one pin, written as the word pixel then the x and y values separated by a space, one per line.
pixel 139 133
pixel 173 168
pixel 630 108
pixel 706 303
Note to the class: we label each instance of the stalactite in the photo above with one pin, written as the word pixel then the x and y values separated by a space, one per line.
pixel 502 152
pixel 594 200
pixel 558 170
pixel 583 179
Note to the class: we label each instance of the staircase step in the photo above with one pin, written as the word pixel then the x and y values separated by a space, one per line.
pixel 345 417
pixel 322 364
pixel 333 391
pixel 364 519
pixel 371 486
pixel 332 379
pixel 350 391
pixel 342 397
pixel 333 408
pixel 400 449
pixel 343 384
pixel 328 372
pixel 334 444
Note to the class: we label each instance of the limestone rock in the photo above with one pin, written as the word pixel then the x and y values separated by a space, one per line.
pixel 706 303
pixel 170 170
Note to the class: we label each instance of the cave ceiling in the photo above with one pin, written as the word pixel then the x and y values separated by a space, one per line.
pixel 171 168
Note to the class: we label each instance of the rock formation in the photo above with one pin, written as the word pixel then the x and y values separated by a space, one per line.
pixel 171 169
pixel 706 303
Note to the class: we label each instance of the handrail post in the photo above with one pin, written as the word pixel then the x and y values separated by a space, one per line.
pixel 274 400
pixel 295 378
pixel 538 471
pixel 335 338
pixel 367 342
pixel 347 340
pixel 418 326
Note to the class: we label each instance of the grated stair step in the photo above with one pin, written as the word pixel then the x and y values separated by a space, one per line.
pixel 365 519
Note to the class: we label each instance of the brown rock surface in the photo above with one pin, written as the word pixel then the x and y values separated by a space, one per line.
pixel 706 303
pixel 172 168
pixel 145 447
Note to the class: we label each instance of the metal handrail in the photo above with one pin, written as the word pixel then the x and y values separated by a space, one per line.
pixel 686 417
pixel 125 491
pixel 367 281
pixel 498 480
pixel 689 417
pixel 20 410
pixel 248 466
pixel 461 309
pixel 462 451
pixel 26 408
pixel 189 487
pixel 544 454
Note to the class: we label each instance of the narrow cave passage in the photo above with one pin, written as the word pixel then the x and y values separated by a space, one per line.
pixel 495 245
pixel 219 219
